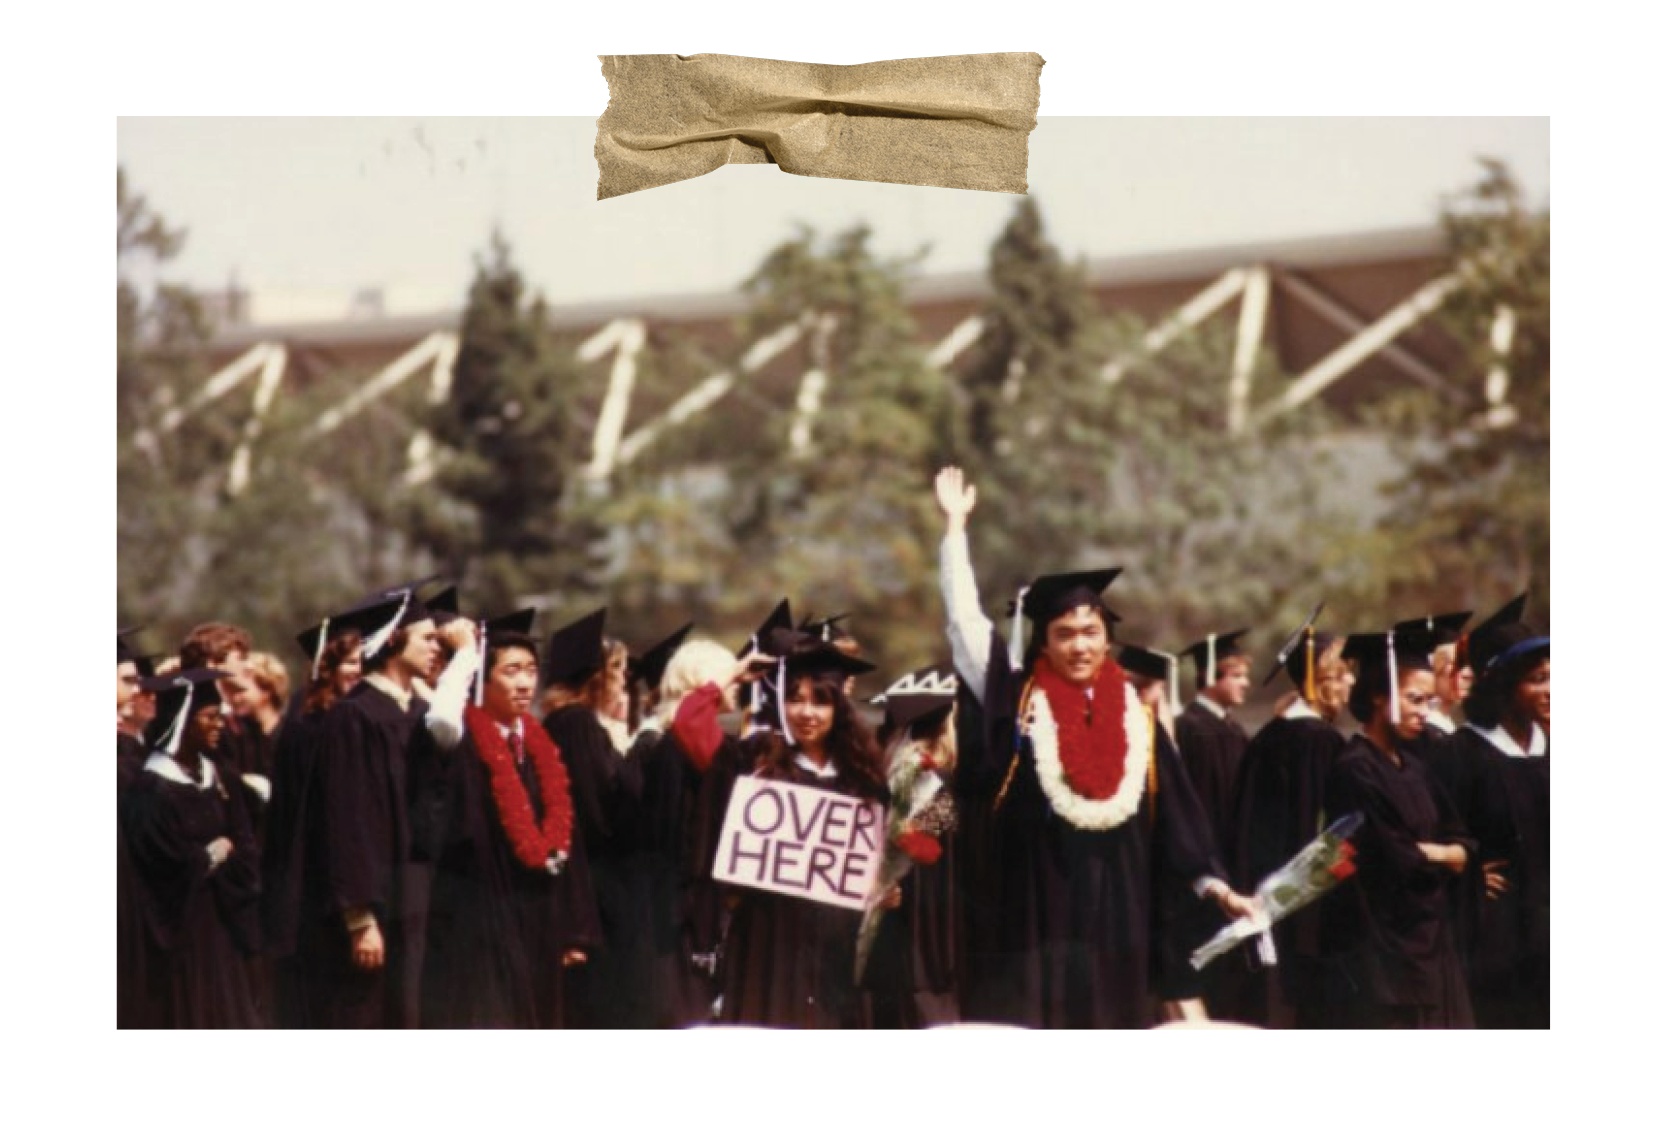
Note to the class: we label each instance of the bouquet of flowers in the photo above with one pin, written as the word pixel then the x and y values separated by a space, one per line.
pixel 921 811
pixel 1326 862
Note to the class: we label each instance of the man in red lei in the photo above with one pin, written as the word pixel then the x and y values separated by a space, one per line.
pixel 512 905
pixel 1074 814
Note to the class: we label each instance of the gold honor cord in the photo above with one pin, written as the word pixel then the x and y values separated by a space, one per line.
pixel 1013 768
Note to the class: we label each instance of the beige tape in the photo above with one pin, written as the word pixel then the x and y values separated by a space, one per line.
pixel 945 121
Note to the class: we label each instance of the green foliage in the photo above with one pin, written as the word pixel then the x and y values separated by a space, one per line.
pixel 1469 521
pixel 507 450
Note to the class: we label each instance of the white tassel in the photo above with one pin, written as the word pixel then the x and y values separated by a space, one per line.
pixel 1174 676
pixel 780 699
pixel 1016 632
pixel 1210 660
pixel 374 643
pixel 480 668
pixel 318 653
pixel 1394 685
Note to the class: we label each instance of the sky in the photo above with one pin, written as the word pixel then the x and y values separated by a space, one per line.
pixel 306 211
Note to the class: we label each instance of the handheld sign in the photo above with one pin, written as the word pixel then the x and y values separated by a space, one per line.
pixel 800 841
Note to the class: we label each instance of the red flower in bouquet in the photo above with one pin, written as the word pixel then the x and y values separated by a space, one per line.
pixel 920 847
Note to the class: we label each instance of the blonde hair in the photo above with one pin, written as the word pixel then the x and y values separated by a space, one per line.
pixel 696 663
pixel 593 693
pixel 1329 695
pixel 271 677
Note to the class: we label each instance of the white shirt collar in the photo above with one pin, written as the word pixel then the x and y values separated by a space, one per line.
pixel 1210 706
pixel 509 730
pixel 168 768
pixel 1439 720
pixel 1503 741
pixel 388 688
pixel 820 771
pixel 1299 710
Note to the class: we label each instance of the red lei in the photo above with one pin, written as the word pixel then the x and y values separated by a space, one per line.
pixel 1092 753
pixel 533 843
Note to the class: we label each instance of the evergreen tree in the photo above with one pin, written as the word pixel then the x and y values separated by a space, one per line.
pixel 507 451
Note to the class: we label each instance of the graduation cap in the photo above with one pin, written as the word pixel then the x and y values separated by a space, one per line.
pixel 442 608
pixel 409 611
pixel 575 652
pixel 651 666
pixel 1490 638
pixel 514 629
pixel 918 697
pixel 1156 665
pixel 800 654
pixel 1297 655
pixel 1382 656
pixel 781 617
pixel 1213 648
pixel 124 651
pixel 177 696
pixel 1445 628
pixel 378 615
pixel 1052 595
pixel 826 628
pixel 146 663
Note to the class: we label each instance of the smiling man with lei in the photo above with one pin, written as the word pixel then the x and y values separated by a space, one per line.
pixel 1077 814
pixel 513 907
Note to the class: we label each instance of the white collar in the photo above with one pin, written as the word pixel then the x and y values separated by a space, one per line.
pixel 1299 710
pixel 820 771
pixel 168 768
pixel 1503 740
pixel 509 730
pixel 1210 706
pixel 1440 720
pixel 388 688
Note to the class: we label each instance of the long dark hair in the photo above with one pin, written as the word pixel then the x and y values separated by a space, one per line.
pixel 852 749
pixel 322 693
pixel 1490 700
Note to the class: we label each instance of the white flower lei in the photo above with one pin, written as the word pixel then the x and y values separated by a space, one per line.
pixel 1091 815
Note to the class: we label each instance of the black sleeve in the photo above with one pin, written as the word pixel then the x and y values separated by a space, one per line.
pixel 594 766
pixel 353 798
pixel 1183 845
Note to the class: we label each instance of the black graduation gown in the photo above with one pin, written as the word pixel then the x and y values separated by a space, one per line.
pixel 1067 941
pixel 1506 941
pixel 132 992
pixel 912 973
pixel 1279 808
pixel 1181 922
pixel 496 928
pixel 605 789
pixel 292 859
pixel 365 759
pixel 661 987
pixel 1212 748
pixel 195 967
pixel 787 962
pixel 1400 961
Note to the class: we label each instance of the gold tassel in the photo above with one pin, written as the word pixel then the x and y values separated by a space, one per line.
pixel 1013 768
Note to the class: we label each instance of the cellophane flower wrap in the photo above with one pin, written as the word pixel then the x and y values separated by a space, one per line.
pixel 1326 862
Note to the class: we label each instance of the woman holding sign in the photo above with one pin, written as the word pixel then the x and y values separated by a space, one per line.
pixel 801 837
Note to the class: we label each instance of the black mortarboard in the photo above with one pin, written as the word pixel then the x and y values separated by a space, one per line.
pixel 442 607
pixel 176 695
pixel 415 610
pixel 1214 649
pixel 516 624
pixel 1496 634
pixel 146 662
pixel 826 628
pixel 1294 655
pixel 1144 662
pixel 1381 657
pixel 124 651
pixel 651 666
pixel 1445 628
pixel 366 618
pixel 781 617
pixel 1055 593
pixel 803 653
pixel 920 697
pixel 575 652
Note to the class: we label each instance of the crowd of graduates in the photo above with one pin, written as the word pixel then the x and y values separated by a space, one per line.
pixel 450 823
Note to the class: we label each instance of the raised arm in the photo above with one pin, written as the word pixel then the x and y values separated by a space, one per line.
pixel 445 712
pixel 969 629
